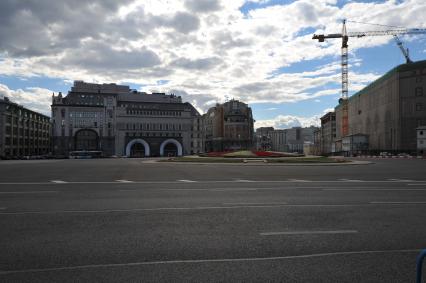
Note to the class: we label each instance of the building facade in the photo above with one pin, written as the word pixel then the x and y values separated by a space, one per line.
pixel 421 141
pixel 23 132
pixel 328 133
pixel 263 138
pixel 228 126
pixel 286 140
pixel 388 111
pixel 293 139
pixel 116 120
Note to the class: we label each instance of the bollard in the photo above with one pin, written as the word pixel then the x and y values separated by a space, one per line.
pixel 419 264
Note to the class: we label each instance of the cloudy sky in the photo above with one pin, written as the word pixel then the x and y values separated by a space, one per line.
pixel 208 51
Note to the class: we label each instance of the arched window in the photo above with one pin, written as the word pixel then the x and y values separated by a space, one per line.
pixel 86 140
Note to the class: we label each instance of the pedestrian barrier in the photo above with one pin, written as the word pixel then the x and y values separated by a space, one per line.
pixel 419 264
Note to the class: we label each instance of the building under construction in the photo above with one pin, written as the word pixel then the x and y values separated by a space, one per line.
pixel 384 115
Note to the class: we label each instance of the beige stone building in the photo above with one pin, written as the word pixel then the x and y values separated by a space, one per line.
pixel 386 112
pixel 228 126
pixel 115 120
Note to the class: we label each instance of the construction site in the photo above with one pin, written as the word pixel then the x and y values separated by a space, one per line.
pixel 383 117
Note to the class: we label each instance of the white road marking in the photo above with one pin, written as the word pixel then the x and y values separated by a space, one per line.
pixel 58 182
pixel 308 232
pixel 398 202
pixel 350 180
pixel 141 209
pixel 254 203
pixel 400 180
pixel 196 208
pixel 424 184
pixel 30 192
pixel 198 261
pixel 243 181
pixel 375 189
pixel 420 182
pixel 124 181
pixel 187 181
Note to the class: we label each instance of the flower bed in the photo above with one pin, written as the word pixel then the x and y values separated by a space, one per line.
pixel 248 154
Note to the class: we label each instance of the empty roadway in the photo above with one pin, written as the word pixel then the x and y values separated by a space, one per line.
pixel 125 220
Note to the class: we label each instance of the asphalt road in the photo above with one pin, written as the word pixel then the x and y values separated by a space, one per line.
pixel 132 220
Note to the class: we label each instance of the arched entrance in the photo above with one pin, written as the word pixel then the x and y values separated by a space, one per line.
pixel 86 140
pixel 137 148
pixel 170 147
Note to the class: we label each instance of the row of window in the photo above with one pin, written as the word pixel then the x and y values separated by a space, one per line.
pixel 147 134
pixel 85 114
pixel 26 114
pixel 153 126
pixel 8 142
pixel 153 112
pixel 27 122
pixel 27 132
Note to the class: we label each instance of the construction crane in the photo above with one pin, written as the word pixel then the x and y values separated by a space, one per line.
pixel 344 35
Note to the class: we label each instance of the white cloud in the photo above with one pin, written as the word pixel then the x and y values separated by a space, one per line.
pixel 288 121
pixel 204 49
pixel 33 98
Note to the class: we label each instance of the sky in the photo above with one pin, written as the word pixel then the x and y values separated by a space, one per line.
pixel 208 51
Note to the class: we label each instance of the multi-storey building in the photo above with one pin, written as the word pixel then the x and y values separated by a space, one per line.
pixel 23 132
pixel 116 120
pixel 328 133
pixel 293 139
pixel 228 126
pixel 384 115
pixel 263 138
pixel 421 141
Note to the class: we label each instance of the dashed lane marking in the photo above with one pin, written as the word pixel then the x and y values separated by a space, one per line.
pixel 124 181
pixel 308 232
pixel 58 181
pixel 400 180
pixel 350 180
pixel 53 182
pixel 135 210
pixel 375 189
pixel 254 203
pixel 243 181
pixel 198 261
pixel 398 202
pixel 30 192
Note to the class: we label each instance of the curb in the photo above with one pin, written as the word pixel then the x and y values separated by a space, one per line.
pixel 350 163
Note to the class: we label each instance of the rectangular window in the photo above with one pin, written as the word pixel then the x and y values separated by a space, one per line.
pixel 419 106
pixel 419 91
